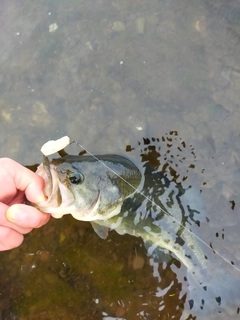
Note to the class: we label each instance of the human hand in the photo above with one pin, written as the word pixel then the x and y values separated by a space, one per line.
pixel 17 218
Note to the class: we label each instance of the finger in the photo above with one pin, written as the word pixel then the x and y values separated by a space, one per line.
pixel 9 224
pixel 26 217
pixel 24 179
pixel 9 238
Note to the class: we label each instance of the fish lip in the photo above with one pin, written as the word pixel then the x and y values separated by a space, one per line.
pixel 48 171
pixel 51 189
pixel 51 181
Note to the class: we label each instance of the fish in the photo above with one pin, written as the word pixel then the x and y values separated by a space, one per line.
pixel 83 187
pixel 112 193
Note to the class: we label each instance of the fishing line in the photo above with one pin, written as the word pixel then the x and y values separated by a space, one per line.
pixel 140 192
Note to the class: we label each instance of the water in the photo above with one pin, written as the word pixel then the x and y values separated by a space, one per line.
pixel 109 75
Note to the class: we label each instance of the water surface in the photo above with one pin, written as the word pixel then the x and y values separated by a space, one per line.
pixel 109 74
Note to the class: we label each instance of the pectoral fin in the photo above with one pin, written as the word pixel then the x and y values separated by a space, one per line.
pixel 101 231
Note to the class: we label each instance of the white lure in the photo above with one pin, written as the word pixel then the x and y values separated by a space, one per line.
pixel 53 146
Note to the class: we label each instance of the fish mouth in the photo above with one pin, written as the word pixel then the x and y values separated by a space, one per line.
pixel 51 189
pixel 60 199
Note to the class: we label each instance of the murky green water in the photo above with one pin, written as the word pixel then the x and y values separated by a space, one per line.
pixel 108 73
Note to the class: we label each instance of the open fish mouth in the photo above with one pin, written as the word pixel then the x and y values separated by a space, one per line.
pixel 60 199
pixel 51 189
pixel 44 171
pixel 58 196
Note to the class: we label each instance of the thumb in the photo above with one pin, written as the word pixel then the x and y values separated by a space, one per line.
pixel 26 216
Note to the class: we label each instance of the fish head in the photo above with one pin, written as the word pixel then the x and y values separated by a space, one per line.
pixel 85 187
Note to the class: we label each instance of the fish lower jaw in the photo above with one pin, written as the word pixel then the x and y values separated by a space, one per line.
pixel 56 211
pixel 96 214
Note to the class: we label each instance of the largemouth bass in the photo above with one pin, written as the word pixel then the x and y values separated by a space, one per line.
pixel 83 187
pixel 163 214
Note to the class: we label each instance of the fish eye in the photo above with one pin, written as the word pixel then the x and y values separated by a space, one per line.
pixel 76 178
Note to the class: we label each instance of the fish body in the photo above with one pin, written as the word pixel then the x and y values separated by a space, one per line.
pixel 97 191
pixel 164 214
pixel 87 188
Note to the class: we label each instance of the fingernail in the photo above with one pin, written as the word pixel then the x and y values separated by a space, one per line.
pixel 40 198
pixel 14 213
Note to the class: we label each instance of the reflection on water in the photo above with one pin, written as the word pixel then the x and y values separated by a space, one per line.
pixel 110 74
pixel 65 269
pixel 167 215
